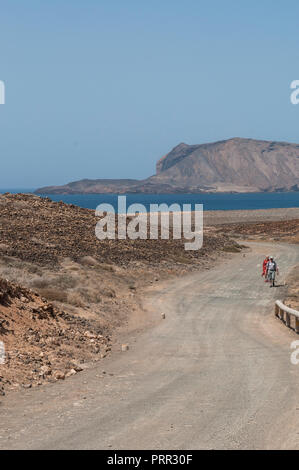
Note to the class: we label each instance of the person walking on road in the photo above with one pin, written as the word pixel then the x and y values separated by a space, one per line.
pixel 272 270
pixel 264 273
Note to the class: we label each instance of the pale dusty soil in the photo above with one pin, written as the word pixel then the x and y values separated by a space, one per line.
pixel 292 296
pixel 51 255
pixel 95 287
pixel 246 216
pixel 42 342
pixel 214 374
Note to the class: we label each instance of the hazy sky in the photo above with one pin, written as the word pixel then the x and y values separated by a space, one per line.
pixel 103 88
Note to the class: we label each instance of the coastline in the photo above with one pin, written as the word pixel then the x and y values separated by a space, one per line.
pixel 211 202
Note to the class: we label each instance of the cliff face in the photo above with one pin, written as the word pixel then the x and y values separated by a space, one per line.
pixel 235 163
pixel 238 165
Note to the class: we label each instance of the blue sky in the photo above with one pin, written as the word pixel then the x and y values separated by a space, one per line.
pixel 101 89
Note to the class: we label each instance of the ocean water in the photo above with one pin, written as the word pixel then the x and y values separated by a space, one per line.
pixel 220 201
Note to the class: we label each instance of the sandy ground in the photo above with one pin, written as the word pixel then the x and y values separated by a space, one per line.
pixel 51 249
pixel 292 297
pixel 204 377
pixel 215 374
pixel 259 215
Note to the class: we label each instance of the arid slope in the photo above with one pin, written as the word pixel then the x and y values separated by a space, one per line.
pixel 64 293
pixel 234 165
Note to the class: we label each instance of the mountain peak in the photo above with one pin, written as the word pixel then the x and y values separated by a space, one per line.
pixel 255 165
pixel 233 165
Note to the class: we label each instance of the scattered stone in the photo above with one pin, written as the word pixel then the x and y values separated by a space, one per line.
pixel 45 370
pixel 70 373
pixel 27 386
pixel 77 367
pixel 89 335
pixel 59 375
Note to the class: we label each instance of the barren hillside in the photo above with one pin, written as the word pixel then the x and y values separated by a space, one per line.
pixel 234 165
pixel 64 293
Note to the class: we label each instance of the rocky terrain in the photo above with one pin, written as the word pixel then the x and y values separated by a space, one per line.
pixel 41 231
pixel 42 342
pixel 64 293
pixel 292 295
pixel 234 165
pixel 247 216
pixel 285 230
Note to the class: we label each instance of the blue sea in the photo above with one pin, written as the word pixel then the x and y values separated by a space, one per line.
pixel 211 202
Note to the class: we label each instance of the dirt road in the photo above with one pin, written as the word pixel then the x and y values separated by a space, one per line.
pixel 215 374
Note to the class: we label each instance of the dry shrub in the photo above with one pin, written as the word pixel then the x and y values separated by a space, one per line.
pixel 231 249
pixel 65 281
pixel 40 282
pixel 3 246
pixel 178 258
pixel 62 281
pixel 8 260
pixel 90 295
pixel 89 261
pixel 33 269
pixel 74 298
pixel 70 265
pixel 14 275
pixel 106 267
pixel 107 292
pixel 54 294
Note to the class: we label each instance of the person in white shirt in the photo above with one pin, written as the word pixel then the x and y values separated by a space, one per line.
pixel 272 270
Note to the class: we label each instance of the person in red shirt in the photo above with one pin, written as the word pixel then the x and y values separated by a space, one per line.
pixel 264 273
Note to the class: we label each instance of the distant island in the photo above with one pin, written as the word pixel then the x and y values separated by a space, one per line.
pixel 233 166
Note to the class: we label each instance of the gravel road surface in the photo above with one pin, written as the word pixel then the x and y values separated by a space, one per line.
pixel 214 374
